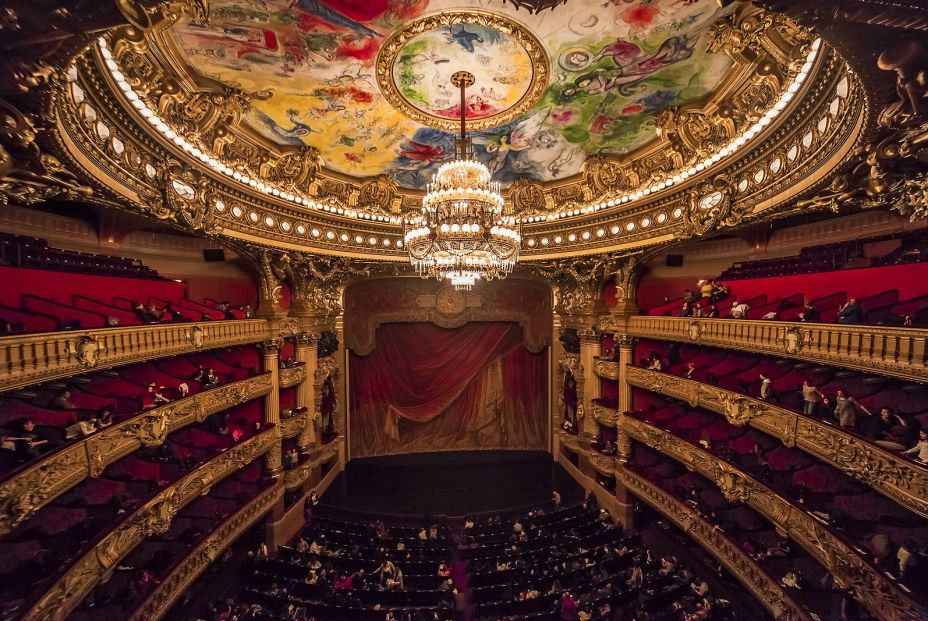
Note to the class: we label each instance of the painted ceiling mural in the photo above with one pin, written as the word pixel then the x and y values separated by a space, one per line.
pixel 311 68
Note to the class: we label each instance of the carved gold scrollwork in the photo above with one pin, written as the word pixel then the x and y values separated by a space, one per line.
pixel 197 336
pixel 86 349
pixel 326 367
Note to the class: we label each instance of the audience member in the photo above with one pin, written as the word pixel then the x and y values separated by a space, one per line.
pixel 846 408
pixel 739 310
pixel 811 397
pixel 62 401
pixel 851 312
pixel 920 450
pixel 766 387
pixel 809 314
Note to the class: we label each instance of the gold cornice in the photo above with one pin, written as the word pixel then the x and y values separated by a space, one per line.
pixel 883 598
pixel 152 518
pixel 896 352
pixel 24 494
pixel 204 554
pixel 40 357
pixel 804 172
pixel 764 587
pixel 897 478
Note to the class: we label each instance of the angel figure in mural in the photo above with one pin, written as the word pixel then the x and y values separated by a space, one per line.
pixel 332 17
pixel 631 68
pixel 521 137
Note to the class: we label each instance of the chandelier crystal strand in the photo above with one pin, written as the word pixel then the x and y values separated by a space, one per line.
pixel 465 232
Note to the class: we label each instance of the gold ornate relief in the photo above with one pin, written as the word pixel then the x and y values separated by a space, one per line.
pixel 897 478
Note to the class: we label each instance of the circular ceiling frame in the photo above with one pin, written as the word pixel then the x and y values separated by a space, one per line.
pixel 391 49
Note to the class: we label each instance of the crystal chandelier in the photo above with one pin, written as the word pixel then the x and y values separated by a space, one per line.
pixel 465 232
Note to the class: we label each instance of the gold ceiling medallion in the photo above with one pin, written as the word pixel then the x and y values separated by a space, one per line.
pixel 431 105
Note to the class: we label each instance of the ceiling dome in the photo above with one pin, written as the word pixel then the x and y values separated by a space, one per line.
pixel 366 83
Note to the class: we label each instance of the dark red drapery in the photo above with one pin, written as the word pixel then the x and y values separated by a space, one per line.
pixel 427 388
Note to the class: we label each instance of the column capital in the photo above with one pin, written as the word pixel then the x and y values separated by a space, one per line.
pixel 589 336
pixel 306 339
pixel 270 346
pixel 624 340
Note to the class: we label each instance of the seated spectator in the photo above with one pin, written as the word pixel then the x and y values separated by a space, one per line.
pixel 766 387
pixel 63 401
pixel 851 312
pixel 896 433
pixel 719 292
pixel 174 315
pixel 811 397
pixel 690 369
pixel 28 441
pixel 155 313
pixel 712 312
pixel 846 408
pixel 686 310
pixel 205 316
pixel 739 310
pixel 654 362
pixel 104 418
pixel 210 380
pixel 809 314
pixel 706 287
pixel 920 450
pixel 247 310
pixel 689 296
pixel 143 315
pixel 82 428
pixel 226 309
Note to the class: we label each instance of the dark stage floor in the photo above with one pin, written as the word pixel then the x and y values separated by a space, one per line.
pixel 452 483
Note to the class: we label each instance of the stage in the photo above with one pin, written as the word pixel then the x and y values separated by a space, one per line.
pixel 450 483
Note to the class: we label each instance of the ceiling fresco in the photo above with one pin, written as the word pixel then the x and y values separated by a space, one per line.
pixel 367 81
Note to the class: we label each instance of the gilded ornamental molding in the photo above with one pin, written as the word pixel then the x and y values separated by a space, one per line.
pixel 291 376
pixel 34 358
pixel 152 518
pixel 897 352
pixel 606 369
pixel 604 415
pixel 765 587
pixel 24 494
pixel 291 426
pixel 205 553
pixel 881 596
pixel 894 476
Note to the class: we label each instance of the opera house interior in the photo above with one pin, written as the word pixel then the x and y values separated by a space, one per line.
pixel 463 310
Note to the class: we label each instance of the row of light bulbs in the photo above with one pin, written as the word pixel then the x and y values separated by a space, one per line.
pixel 723 153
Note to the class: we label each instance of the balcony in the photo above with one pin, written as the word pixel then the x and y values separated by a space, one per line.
pixel 291 376
pixel 606 369
pixel 211 547
pixel 22 495
pixel 152 518
pixel 894 476
pixel 34 358
pixel 291 426
pixel 765 588
pixel 882 596
pixel 604 413
pixel 897 352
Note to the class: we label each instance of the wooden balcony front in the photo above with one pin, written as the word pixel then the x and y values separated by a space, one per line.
pixel 902 480
pixel 897 352
pixel 23 494
pixel 33 358
pixel 881 595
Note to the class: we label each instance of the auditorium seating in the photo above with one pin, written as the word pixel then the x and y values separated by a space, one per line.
pixel 33 252
pixel 122 391
pixel 88 299
pixel 496 573
pixel 72 524
pixel 740 372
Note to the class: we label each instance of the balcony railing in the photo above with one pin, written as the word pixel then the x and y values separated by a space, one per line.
pixel 606 369
pixel 894 476
pixel 883 597
pixel 291 376
pixel 898 352
pixel 604 414
pixel 33 358
pixel 765 588
pixel 22 495
pixel 199 558
pixel 152 518
pixel 292 426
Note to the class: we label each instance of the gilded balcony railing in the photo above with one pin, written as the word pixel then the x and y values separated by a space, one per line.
pixel 899 479
pixel 898 352
pixel 606 369
pixel 152 518
pixel 883 597
pixel 292 425
pixel 296 476
pixel 604 414
pixel 764 587
pixel 198 559
pixel 30 490
pixel 33 358
pixel 291 376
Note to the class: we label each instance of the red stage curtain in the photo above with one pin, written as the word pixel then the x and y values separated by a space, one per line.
pixel 426 388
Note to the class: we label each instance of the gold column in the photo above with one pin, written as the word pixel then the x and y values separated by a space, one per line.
pixel 626 346
pixel 307 353
pixel 271 350
pixel 589 349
